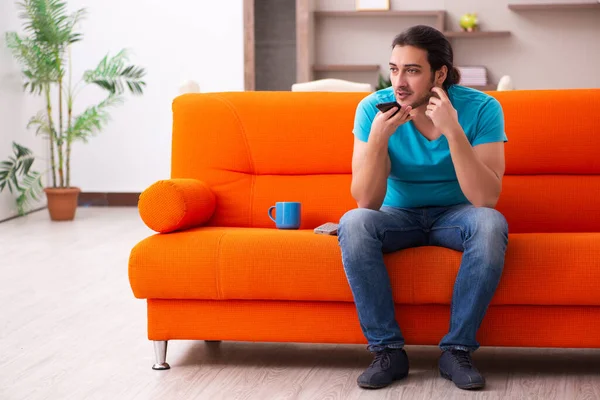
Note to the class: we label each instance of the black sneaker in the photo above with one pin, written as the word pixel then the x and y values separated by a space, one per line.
pixel 457 366
pixel 389 365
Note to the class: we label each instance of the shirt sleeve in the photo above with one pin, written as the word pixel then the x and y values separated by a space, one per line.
pixel 362 121
pixel 490 126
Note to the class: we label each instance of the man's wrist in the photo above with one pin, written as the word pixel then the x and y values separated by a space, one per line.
pixel 378 140
pixel 454 132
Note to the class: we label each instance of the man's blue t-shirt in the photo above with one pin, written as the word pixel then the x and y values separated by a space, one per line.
pixel 422 171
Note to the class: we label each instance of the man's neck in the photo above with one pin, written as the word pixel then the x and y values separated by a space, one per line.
pixel 424 124
pixel 421 121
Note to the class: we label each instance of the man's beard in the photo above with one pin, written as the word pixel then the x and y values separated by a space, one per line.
pixel 425 99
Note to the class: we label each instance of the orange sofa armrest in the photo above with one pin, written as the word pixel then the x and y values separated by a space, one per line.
pixel 176 204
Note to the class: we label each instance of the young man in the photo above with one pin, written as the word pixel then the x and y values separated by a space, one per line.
pixel 430 174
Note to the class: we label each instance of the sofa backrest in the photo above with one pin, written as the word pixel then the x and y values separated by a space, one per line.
pixel 257 148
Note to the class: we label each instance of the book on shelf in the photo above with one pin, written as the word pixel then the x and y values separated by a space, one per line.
pixel 473 75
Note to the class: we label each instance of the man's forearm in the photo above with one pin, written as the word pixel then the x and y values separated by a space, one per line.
pixel 369 186
pixel 479 183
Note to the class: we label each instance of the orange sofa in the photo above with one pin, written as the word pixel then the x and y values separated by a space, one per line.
pixel 218 269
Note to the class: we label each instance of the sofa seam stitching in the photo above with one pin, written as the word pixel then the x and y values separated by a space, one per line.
pixel 218 268
pixel 248 152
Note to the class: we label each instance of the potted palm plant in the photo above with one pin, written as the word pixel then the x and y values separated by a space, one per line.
pixel 45 58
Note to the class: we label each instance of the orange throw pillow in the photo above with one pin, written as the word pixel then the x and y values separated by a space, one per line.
pixel 176 204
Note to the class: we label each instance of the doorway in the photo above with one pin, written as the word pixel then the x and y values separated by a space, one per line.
pixel 269 44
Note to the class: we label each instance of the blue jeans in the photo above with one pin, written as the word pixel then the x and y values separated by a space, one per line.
pixel 365 235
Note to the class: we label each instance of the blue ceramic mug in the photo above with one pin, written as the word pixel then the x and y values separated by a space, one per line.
pixel 287 214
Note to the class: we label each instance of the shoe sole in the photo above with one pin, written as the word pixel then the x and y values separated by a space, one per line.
pixel 368 386
pixel 468 386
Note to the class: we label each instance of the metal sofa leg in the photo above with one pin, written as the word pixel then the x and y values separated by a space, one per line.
pixel 160 352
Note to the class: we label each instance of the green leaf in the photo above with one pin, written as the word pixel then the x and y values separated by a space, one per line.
pixel 16 169
pixel 31 190
pixel 41 123
pixel 92 120
pixel 14 182
pixel 49 23
pixel 383 83
pixel 21 150
pixel 42 53
pixel 37 60
pixel 112 75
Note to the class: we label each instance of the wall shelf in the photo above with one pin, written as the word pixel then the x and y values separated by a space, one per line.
pixel 311 23
pixel 554 6
pixel 346 68
pixel 484 88
pixel 425 13
pixel 439 15
pixel 476 34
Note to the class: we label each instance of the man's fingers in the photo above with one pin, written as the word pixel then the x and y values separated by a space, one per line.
pixel 440 92
pixel 391 113
pixel 435 100
pixel 402 114
pixel 388 114
pixel 397 116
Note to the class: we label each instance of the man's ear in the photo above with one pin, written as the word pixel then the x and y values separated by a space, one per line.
pixel 441 74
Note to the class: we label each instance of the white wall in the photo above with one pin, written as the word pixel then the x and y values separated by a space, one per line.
pixel 16 108
pixel 174 40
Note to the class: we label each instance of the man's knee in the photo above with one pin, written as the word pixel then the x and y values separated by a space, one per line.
pixel 488 222
pixel 490 237
pixel 358 221
pixel 357 233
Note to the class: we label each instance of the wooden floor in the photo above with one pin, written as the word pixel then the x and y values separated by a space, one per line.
pixel 70 328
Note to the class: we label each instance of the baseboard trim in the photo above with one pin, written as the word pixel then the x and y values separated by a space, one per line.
pixel 96 199
pixel 108 199
pixel 19 216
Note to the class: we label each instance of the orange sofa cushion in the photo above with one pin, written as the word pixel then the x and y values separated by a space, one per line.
pixel 268 264
pixel 544 139
pixel 255 148
pixel 176 204
pixel 299 133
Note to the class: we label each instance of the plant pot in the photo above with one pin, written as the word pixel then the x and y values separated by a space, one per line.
pixel 62 203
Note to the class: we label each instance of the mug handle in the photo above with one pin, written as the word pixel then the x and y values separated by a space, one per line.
pixel 271 216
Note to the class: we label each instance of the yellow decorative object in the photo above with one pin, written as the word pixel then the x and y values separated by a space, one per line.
pixel 469 22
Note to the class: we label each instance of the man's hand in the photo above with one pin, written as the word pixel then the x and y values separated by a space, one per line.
pixel 384 125
pixel 442 113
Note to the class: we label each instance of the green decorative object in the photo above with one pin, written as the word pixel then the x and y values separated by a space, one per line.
pixel 383 83
pixel 469 22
